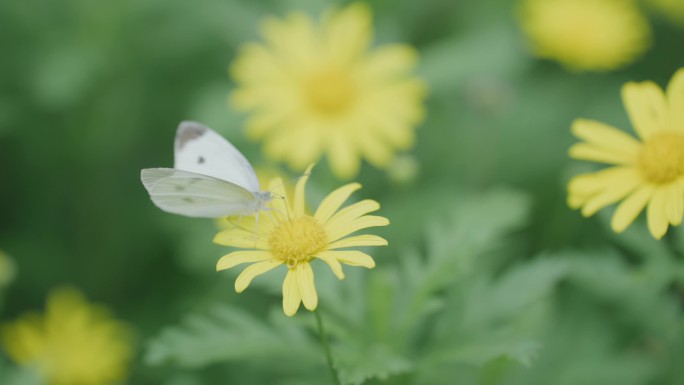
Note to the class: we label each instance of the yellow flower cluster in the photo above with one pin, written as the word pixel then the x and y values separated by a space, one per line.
pixel 317 88
pixel 73 343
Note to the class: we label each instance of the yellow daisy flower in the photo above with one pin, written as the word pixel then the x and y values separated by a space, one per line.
pixel 594 35
pixel 648 171
pixel 672 9
pixel 317 87
pixel 74 343
pixel 287 235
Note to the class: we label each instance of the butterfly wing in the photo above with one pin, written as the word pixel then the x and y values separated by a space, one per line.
pixel 195 195
pixel 200 149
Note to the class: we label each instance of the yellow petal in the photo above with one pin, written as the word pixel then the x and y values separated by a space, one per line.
pixel 310 142
pixel 606 137
pixel 584 151
pixel 240 238
pixel 581 188
pixel 262 122
pixel 333 202
pixel 279 204
pixel 329 258
pixel 576 201
pixel 245 278
pixel 647 108
pixel 279 144
pixel 239 257
pixel 299 194
pixel 290 38
pixel 388 62
pixel 307 289
pixel 398 130
pixel 354 258
pixel 347 33
pixel 342 155
pixel 657 215
pixel 630 208
pixel 675 203
pixel 337 232
pixel 291 296
pixel 247 231
pixel 254 60
pixel 675 96
pixel 376 149
pixel 614 184
pixel 352 212
pixel 357 241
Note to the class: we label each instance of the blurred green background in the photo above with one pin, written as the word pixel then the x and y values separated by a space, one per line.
pixel 489 277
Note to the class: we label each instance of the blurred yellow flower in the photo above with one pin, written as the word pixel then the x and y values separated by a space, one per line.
pixel 317 89
pixel 594 35
pixel 672 9
pixel 288 235
pixel 649 171
pixel 74 343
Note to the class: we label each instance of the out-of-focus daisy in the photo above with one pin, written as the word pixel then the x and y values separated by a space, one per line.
pixel 648 171
pixel 594 35
pixel 73 343
pixel 317 88
pixel 288 235
pixel 672 9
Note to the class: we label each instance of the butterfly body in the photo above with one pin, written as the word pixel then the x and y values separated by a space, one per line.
pixel 210 178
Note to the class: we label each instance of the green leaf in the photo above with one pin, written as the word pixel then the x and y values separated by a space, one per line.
pixel 478 225
pixel 490 347
pixel 492 317
pixel 491 300
pixel 229 334
pixel 383 319
pixel 357 364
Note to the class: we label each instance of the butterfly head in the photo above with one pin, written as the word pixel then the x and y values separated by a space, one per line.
pixel 262 199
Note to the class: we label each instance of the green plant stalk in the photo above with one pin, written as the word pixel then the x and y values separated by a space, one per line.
pixel 326 348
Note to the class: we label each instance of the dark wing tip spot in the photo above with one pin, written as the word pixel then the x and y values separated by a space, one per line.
pixel 188 132
pixel 200 160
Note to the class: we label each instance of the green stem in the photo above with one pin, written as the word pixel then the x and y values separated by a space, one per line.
pixel 326 348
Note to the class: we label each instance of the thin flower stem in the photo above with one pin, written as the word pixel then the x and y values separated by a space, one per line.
pixel 326 347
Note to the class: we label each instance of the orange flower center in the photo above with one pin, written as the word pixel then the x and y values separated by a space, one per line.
pixel 330 92
pixel 298 240
pixel 662 158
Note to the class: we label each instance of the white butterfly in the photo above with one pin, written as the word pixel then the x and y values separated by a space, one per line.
pixel 210 178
